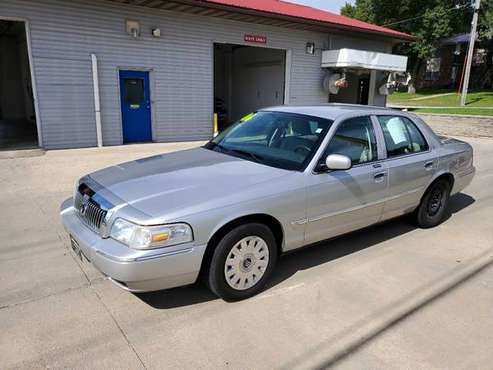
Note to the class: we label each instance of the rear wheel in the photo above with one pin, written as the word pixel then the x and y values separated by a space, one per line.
pixel 242 262
pixel 431 211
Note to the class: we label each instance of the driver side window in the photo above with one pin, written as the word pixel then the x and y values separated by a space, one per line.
pixel 354 138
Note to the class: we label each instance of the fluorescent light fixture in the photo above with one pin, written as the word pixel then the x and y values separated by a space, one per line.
pixel 132 28
pixel 310 48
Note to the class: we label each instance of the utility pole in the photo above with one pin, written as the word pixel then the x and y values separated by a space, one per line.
pixel 470 52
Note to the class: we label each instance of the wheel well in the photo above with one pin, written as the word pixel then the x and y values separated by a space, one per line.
pixel 444 176
pixel 448 177
pixel 272 223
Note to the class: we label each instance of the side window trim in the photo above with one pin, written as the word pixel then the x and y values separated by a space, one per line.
pixel 423 136
pixel 381 147
pixel 384 144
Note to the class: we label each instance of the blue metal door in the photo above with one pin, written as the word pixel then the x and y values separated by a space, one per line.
pixel 136 106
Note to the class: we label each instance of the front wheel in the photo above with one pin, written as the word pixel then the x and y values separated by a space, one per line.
pixel 431 210
pixel 242 262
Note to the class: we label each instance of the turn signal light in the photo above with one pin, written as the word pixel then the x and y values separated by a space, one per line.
pixel 160 237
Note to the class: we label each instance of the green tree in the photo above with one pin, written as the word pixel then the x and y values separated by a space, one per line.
pixel 485 27
pixel 427 20
pixel 360 10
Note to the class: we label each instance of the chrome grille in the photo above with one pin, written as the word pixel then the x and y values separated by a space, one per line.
pixel 89 211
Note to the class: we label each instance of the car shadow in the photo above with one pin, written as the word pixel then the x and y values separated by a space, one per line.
pixel 305 258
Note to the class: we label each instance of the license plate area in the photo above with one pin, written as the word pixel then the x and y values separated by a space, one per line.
pixel 77 250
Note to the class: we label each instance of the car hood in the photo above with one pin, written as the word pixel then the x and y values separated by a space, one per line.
pixel 183 182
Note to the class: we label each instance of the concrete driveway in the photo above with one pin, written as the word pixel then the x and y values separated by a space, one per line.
pixel 391 296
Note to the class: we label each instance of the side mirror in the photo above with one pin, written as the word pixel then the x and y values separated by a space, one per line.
pixel 338 162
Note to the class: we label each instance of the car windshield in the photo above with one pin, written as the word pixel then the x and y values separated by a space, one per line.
pixel 277 139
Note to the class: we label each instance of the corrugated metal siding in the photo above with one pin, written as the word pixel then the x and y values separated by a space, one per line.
pixel 64 33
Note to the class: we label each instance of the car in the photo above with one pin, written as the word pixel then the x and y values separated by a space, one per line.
pixel 278 179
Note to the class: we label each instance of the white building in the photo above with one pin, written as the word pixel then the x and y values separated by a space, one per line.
pixel 75 73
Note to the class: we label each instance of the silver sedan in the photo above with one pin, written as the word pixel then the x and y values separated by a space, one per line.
pixel 279 179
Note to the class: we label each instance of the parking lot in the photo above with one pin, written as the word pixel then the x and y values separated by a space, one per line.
pixel 391 296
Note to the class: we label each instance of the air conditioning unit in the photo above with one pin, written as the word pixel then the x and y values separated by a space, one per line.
pixel 352 58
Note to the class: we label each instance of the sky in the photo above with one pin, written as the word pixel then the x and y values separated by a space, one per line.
pixel 330 5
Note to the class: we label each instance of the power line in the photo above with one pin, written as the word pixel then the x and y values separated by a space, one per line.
pixel 421 16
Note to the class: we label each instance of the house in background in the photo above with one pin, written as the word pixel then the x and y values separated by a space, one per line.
pixel 80 73
pixel 445 68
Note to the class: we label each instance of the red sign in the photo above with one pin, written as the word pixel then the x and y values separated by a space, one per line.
pixel 256 38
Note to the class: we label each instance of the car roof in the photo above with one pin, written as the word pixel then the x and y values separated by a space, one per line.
pixel 331 111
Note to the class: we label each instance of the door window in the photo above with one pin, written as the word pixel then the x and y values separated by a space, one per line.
pixel 134 91
pixel 401 136
pixel 354 138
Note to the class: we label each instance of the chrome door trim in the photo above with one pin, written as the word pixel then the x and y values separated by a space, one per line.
pixel 405 155
pixel 301 221
pixel 327 215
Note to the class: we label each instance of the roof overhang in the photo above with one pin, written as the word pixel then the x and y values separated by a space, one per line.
pixel 361 59
pixel 306 14
pixel 236 11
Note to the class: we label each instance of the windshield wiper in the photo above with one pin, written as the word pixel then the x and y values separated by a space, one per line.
pixel 218 147
pixel 255 157
pixel 212 146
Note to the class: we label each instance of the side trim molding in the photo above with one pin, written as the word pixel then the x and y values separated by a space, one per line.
pixel 356 208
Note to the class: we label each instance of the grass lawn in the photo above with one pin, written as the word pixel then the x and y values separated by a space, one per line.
pixel 478 99
pixel 466 111
pixel 405 97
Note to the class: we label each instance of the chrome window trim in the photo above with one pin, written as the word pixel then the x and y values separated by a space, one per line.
pixel 405 156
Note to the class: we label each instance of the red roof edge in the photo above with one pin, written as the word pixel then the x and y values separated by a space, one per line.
pixel 307 13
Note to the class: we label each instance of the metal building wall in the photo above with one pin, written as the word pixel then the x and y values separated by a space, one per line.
pixel 65 33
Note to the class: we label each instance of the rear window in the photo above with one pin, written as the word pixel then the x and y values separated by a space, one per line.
pixel 401 136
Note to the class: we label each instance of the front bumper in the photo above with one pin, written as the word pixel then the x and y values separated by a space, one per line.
pixel 134 270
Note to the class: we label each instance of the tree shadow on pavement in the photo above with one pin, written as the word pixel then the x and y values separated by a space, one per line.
pixel 305 258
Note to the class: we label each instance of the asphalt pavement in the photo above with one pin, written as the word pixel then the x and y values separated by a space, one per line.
pixel 390 296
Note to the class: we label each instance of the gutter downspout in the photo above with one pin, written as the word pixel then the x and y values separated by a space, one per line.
pixel 97 102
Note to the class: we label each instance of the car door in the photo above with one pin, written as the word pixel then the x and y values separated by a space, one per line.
pixel 411 163
pixel 345 200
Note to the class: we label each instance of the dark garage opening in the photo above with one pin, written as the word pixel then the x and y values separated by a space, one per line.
pixel 246 78
pixel 358 89
pixel 17 115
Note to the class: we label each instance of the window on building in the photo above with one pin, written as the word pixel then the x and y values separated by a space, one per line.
pixel 479 57
pixel 433 69
pixel 134 91
pixel 354 138
pixel 401 136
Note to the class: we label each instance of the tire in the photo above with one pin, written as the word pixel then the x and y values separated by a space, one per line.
pixel 246 256
pixel 431 210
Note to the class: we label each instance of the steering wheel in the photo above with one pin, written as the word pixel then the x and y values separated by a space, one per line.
pixel 301 148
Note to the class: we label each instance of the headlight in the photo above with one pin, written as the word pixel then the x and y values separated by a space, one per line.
pixel 148 237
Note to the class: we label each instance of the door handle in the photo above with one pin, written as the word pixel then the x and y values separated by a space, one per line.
pixel 429 165
pixel 379 176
